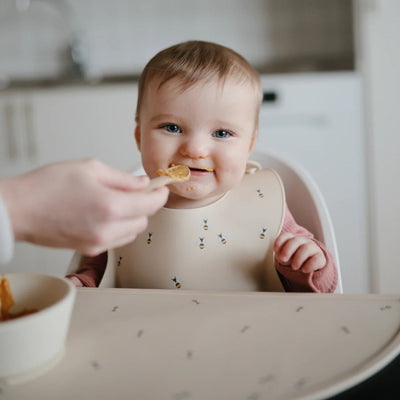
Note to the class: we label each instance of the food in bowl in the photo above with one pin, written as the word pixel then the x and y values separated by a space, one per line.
pixel 32 345
pixel 7 301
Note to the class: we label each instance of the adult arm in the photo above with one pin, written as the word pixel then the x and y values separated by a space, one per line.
pixel 82 205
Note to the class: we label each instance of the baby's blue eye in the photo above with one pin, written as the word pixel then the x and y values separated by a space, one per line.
pixel 221 134
pixel 172 128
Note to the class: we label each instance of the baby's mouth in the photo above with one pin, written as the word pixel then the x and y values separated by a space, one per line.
pixel 202 169
pixel 197 169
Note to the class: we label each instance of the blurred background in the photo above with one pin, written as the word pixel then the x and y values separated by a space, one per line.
pixel 330 72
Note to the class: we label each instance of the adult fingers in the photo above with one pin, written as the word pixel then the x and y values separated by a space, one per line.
pixel 115 234
pixel 117 179
pixel 129 205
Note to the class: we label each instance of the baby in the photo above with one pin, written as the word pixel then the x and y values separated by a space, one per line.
pixel 228 227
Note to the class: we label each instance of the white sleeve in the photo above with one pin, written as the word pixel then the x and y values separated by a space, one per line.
pixel 6 235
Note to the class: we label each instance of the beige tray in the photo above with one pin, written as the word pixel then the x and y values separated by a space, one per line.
pixel 155 344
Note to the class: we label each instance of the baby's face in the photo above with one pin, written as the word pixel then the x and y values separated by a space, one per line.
pixel 208 127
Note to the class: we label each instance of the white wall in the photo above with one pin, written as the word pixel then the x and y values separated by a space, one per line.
pixel 378 38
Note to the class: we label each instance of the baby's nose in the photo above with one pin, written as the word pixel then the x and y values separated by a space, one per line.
pixel 194 148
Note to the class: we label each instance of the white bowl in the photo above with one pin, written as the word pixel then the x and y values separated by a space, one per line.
pixel 33 344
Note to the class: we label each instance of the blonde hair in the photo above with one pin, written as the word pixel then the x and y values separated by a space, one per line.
pixel 193 61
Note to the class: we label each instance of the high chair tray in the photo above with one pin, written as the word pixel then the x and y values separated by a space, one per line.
pixel 175 344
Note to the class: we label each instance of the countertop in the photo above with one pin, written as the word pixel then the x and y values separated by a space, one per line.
pixel 291 66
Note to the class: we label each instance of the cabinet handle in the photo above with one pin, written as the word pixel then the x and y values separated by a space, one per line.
pixel 270 97
pixel 10 131
pixel 30 132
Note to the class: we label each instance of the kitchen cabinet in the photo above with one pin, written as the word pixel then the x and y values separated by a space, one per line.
pixel 15 135
pixel 41 126
pixel 46 125
pixel 86 122
pixel 316 120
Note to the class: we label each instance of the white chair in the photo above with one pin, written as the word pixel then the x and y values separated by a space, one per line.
pixel 304 200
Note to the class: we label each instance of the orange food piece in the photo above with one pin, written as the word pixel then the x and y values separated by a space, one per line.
pixel 7 301
pixel 6 297
pixel 178 172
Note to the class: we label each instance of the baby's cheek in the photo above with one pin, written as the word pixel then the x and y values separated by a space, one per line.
pixel 230 179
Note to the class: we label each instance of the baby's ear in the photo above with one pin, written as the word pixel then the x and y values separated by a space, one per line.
pixel 137 136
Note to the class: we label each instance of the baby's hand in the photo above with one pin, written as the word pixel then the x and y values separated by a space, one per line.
pixel 75 281
pixel 299 252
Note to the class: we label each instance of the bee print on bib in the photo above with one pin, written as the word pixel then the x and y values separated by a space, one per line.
pixel 260 193
pixel 149 239
pixel 201 243
pixel 263 233
pixel 205 224
pixel 222 239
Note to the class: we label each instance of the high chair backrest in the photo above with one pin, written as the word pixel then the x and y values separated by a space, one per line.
pixel 304 200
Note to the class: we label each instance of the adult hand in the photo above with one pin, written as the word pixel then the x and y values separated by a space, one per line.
pixel 299 252
pixel 83 205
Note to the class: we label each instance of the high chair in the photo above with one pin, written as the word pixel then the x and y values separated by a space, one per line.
pixel 304 200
